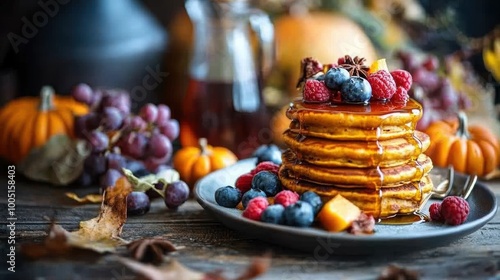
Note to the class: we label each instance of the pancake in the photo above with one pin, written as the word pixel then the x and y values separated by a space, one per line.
pixel 361 154
pixel 400 199
pixel 372 178
pixel 354 122
pixel 349 133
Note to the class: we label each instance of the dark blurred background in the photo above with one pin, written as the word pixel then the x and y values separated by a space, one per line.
pixel 117 43
pixel 104 43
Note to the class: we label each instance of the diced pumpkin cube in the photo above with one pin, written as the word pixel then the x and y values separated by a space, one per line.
pixel 338 214
pixel 378 65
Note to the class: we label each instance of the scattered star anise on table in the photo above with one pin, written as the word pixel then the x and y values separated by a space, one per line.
pixel 150 249
pixel 355 66
pixel 394 272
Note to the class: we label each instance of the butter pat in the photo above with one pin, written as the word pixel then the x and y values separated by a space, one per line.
pixel 338 214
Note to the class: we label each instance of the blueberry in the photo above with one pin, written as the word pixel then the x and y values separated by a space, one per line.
pixel 273 214
pixel 335 77
pixel 320 77
pixel 251 193
pixel 269 152
pixel 356 90
pixel 299 214
pixel 313 199
pixel 267 182
pixel 228 196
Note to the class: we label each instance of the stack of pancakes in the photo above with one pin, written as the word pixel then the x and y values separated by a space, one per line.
pixel 372 155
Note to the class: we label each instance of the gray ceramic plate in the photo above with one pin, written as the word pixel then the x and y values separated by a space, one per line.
pixel 388 238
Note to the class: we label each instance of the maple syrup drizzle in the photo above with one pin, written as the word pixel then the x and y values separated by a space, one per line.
pixel 380 113
pixel 405 219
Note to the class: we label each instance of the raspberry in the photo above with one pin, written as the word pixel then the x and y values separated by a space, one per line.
pixel 400 96
pixel 435 212
pixel 255 207
pixel 383 85
pixel 315 91
pixel 244 182
pixel 266 166
pixel 454 210
pixel 402 78
pixel 286 198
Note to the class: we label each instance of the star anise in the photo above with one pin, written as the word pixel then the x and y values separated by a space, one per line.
pixel 355 66
pixel 395 272
pixel 150 249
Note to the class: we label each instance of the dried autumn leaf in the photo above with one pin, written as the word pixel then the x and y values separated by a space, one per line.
pixel 89 198
pixel 59 161
pixel 175 270
pixel 100 234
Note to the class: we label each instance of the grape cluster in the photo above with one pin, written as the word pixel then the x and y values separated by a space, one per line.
pixel 119 139
pixel 433 90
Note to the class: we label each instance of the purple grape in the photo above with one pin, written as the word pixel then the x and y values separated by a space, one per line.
pixel 112 119
pixel 116 161
pixel 117 99
pixel 449 97
pixel 80 126
pixel 163 114
pixel 170 129
pixel 134 145
pixel 92 121
pixel 176 194
pixel 135 123
pixel 408 60
pixel 138 203
pixel 153 194
pixel 159 146
pixel 94 165
pixel 82 93
pixel 96 99
pixel 98 140
pixel 149 113
pixel 429 81
pixel 153 163
pixel 431 63
pixel 108 179
pixel 85 179
pixel 137 168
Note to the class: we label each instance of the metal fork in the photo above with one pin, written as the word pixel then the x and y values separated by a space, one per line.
pixel 445 188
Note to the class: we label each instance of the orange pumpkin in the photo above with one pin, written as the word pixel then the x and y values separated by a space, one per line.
pixel 29 122
pixel 193 163
pixel 469 149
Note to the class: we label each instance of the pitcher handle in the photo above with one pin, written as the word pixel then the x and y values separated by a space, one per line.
pixel 264 28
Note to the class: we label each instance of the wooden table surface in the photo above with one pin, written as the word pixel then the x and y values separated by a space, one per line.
pixel 208 245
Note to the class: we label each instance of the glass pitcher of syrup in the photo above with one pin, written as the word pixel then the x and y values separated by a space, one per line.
pixel 223 102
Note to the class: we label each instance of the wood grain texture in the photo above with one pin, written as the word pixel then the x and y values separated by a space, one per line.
pixel 208 245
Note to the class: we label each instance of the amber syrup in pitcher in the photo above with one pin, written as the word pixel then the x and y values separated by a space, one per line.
pixel 228 114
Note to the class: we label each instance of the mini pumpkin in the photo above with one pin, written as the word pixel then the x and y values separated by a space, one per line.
pixel 470 149
pixel 193 163
pixel 29 122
